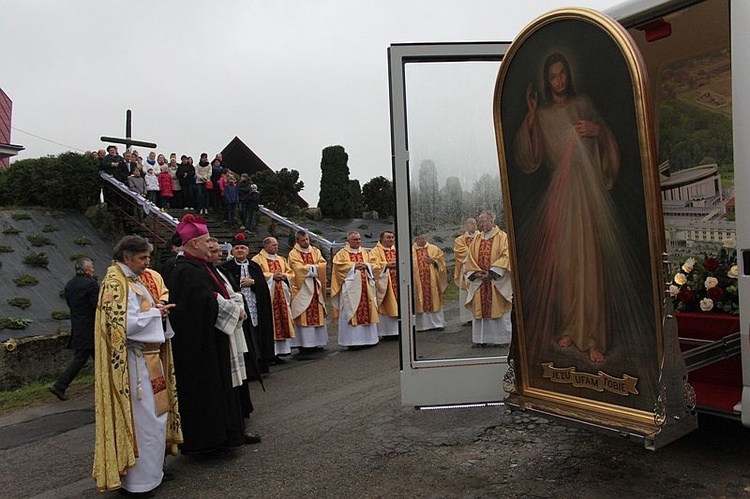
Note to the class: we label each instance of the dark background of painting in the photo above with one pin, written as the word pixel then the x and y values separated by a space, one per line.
pixel 600 71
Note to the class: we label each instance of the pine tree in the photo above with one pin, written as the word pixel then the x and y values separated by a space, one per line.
pixel 378 196
pixel 335 198
pixel 279 190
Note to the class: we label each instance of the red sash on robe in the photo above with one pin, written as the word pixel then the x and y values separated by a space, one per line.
pixel 424 279
pixel 148 281
pixel 363 309
pixel 484 261
pixel 312 314
pixel 390 257
pixel 280 307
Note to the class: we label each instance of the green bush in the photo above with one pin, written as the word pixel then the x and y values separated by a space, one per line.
pixel 20 216
pixel 39 240
pixel 14 322
pixel 76 256
pixel 6 249
pixel 103 219
pixel 60 315
pixel 36 259
pixel 11 230
pixel 26 280
pixel 49 228
pixel 20 302
pixel 82 241
pixel 67 181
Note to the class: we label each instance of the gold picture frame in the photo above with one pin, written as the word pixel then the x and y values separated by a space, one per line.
pixel 581 194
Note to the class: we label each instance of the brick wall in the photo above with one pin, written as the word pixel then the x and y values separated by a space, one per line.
pixel 6 106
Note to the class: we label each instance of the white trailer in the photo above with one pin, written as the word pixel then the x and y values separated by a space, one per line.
pixel 442 135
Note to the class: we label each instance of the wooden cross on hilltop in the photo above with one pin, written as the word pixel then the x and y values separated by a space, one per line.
pixel 128 140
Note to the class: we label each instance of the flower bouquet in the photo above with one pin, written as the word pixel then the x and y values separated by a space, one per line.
pixel 707 284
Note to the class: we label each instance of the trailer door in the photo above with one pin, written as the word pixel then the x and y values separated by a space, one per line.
pixel 445 169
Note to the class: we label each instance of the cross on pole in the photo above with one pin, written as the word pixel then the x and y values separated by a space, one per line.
pixel 128 140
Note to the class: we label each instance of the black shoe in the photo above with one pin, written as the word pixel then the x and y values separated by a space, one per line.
pixel 168 477
pixel 252 438
pixel 278 360
pixel 58 393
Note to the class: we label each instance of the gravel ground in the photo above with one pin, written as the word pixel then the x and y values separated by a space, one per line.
pixel 334 427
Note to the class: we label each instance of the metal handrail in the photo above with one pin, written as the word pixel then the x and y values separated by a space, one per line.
pixel 329 246
pixel 165 221
pixel 118 196
pixel 712 351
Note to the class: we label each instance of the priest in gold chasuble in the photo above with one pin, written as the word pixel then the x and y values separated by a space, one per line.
pixel 353 294
pixel 490 290
pixel 430 280
pixel 135 395
pixel 308 294
pixel 460 254
pixel 278 276
pixel 384 253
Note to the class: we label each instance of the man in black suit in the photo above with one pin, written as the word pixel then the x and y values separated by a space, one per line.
pixel 82 294
pixel 255 290
pixel 186 177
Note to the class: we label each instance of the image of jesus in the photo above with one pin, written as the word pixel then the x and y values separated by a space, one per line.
pixel 575 240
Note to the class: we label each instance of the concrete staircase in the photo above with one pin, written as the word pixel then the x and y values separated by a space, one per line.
pixel 217 227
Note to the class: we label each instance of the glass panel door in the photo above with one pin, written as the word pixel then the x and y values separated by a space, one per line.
pixel 445 173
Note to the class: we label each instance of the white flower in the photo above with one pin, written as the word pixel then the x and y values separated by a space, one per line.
pixel 730 243
pixel 673 290
pixel 688 265
pixel 711 282
pixel 680 278
pixel 707 304
pixel 734 272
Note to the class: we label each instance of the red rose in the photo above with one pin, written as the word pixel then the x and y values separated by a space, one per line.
pixel 711 264
pixel 685 295
pixel 715 293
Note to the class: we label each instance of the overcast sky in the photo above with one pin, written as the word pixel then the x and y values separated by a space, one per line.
pixel 287 77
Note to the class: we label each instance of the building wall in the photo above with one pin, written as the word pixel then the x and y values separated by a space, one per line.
pixel 705 189
pixel 6 106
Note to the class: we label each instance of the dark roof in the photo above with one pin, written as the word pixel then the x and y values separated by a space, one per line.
pixel 241 159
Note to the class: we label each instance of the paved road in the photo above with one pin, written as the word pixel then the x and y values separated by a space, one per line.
pixel 334 427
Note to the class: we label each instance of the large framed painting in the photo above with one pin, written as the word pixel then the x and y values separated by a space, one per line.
pixel 581 191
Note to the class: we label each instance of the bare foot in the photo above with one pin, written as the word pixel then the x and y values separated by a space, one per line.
pixel 565 341
pixel 595 355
